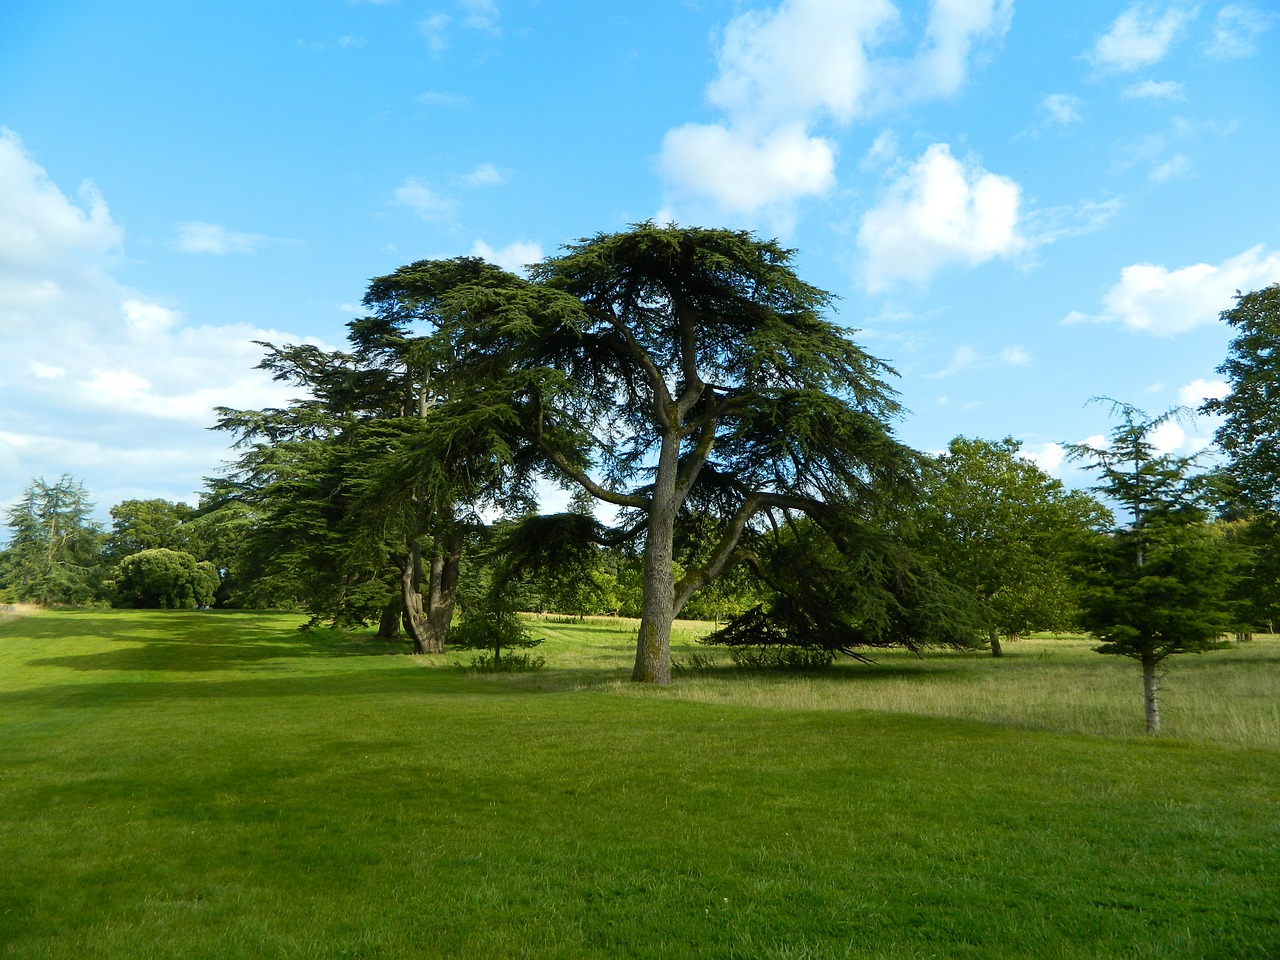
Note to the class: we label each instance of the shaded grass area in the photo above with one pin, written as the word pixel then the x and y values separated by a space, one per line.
pixel 195 785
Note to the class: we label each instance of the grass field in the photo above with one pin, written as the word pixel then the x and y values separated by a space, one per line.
pixel 217 785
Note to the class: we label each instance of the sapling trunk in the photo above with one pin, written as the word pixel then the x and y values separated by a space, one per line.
pixel 1150 691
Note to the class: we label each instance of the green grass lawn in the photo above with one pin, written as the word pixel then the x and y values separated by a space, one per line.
pixel 218 785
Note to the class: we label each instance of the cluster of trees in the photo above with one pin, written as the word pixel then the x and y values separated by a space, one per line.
pixel 727 452
pixel 157 553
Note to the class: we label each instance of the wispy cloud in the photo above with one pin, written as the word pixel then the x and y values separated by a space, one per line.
pixel 476 15
pixel 967 358
pixel 440 98
pixel 1140 37
pixel 485 175
pixel 1060 109
pixel 423 201
pixel 1236 30
pixel 1154 90
pixel 1177 167
pixel 195 236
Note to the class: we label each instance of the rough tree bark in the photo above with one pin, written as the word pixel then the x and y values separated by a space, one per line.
pixel 427 618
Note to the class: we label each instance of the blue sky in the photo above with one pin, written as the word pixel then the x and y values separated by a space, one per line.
pixel 1019 205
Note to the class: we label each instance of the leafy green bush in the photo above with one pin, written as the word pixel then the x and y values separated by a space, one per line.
pixel 168 579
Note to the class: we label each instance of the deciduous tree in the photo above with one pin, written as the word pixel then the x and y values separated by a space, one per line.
pixel 996 524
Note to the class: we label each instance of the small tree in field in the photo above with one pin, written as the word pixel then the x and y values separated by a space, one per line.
pixel 1158 585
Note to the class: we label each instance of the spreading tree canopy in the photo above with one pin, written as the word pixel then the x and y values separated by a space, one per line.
pixel 367 485
pixel 676 372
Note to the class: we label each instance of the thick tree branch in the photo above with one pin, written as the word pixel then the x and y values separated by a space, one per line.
pixel 581 478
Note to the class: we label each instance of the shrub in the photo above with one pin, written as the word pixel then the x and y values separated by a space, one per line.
pixel 168 579
pixel 509 663
pixel 782 658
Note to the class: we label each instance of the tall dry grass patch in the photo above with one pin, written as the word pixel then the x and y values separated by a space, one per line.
pixel 1057 684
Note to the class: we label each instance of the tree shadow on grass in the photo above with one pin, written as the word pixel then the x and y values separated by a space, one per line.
pixel 199 642
pixel 186 656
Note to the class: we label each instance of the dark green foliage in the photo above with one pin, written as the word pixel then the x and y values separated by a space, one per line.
pixel 1173 601
pixel 1161 584
pixel 851 587
pixel 1257 588
pixel 165 579
pixel 688 377
pixel 54 552
pixel 787 658
pixel 1250 431
pixel 494 626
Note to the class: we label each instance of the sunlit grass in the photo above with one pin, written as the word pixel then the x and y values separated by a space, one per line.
pixel 206 785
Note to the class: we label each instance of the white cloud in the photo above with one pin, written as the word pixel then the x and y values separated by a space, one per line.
pixel 1140 37
pixel 480 15
pixel 197 237
pixel 1198 391
pixel 967 358
pixel 802 59
pixel 963 359
pixel 940 212
pixel 1061 109
pixel 423 201
pixel 1168 437
pixel 485 175
pixel 1046 456
pixel 743 173
pixel 1166 302
pixel 147 319
pixel 1154 90
pixel 99 365
pixel 785 71
pixel 51 250
pixel 1236 30
pixel 882 152
pixel 433 29
pixel 514 256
